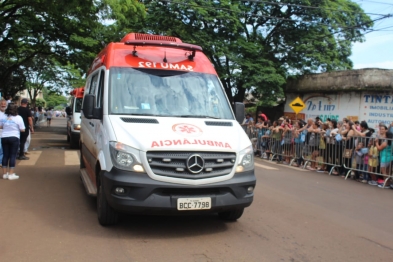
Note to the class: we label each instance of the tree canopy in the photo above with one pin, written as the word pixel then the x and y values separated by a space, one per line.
pixel 254 45
pixel 70 32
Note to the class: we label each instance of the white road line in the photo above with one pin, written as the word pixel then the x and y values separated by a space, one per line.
pixel 265 167
pixel 33 155
pixel 71 158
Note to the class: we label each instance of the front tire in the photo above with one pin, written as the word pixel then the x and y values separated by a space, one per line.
pixel 231 215
pixel 74 144
pixel 81 163
pixel 106 214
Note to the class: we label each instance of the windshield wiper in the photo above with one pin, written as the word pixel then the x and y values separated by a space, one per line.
pixel 199 116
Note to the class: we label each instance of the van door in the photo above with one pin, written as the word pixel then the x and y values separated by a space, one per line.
pixel 88 132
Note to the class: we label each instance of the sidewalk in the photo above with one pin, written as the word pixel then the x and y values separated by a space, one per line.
pixel 54 136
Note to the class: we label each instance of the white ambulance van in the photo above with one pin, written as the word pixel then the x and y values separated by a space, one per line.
pixel 158 134
pixel 74 117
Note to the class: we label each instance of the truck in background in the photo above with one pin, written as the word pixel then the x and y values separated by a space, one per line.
pixel 74 117
pixel 158 134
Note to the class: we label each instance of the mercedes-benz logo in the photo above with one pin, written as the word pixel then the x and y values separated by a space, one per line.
pixel 195 164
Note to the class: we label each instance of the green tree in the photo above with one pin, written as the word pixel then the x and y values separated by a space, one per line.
pixel 255 45
pixel 68 31
pixel 54 100
pixel 45 72
pixel 40 102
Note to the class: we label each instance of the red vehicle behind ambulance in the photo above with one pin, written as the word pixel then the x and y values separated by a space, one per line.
pixel 74 116
pixel 158 134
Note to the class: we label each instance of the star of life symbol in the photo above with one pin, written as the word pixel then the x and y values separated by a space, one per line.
pixel 187 130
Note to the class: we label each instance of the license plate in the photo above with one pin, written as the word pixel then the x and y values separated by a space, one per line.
pixel 194 203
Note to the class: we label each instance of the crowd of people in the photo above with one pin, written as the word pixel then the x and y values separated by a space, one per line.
pixel 343 148
pixel 17 123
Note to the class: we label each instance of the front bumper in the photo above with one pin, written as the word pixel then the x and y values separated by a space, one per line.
pixel 143 194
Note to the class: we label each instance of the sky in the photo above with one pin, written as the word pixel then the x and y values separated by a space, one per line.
pixel 377 50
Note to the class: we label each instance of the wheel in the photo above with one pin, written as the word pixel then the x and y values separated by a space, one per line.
pixel 68 136
pixel 81 163
pixel 231 215
pixel 74 144
pixel 106 214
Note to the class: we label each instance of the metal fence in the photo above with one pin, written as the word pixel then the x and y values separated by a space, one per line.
pixel 355 156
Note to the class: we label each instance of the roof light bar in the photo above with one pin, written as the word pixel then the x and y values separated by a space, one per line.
pixel 183 46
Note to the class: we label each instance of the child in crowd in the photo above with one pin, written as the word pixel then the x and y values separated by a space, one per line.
pixel 359 160
pixel 372 162
pixel 366 176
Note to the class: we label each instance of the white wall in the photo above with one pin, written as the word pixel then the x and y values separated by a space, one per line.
pixel 371 107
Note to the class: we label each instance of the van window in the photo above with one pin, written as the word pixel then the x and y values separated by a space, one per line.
pixel 100 89
pixel 167 93
pixel 93 85
pixel 78 105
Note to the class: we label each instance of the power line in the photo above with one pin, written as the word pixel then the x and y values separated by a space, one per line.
pixel 305 6
pixel 375 2
pixel 383 16
pixel 274 3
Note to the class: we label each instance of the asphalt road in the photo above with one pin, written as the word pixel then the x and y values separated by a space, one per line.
pixel 297 215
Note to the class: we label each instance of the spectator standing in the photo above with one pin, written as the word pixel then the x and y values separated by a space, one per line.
pixel 323 149
pixel 384 146
pixel 36 115
pixel 299 139
pixel 313 141
pixel 349 145
pixel 3 107
pixel 276 132
pixel 8 100
pixel 25 113
pixel 49 115
pixel 391 127
pixel 357 125
pixel 359 161
pixel 366 176
pixel 12 126
pixel 287 140
pixel 373 156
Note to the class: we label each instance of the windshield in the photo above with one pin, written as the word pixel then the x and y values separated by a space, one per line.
pixel 78 105
pixel 167 93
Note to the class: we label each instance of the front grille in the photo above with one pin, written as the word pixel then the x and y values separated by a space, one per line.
pixel 174 164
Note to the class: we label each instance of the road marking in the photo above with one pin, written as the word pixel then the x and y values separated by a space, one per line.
pixel 71 158
pixel 265 167
pixel 33 155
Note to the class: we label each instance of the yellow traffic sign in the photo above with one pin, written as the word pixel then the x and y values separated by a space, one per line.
pixel 297 105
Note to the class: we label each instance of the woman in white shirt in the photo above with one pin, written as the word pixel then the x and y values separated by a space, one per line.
pixel 12 124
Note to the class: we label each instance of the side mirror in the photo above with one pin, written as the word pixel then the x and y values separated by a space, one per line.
pixel 239 112
pixel 88 108
pixel 68 110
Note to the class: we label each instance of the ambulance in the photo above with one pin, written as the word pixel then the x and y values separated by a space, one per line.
pixel 158 134
pixel 74 117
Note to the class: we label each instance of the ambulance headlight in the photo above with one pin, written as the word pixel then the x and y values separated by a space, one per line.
pixel 125 157
pixel 245 160
pixel 77 127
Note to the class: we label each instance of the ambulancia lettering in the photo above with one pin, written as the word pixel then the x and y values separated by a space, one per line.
pixel 175 142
